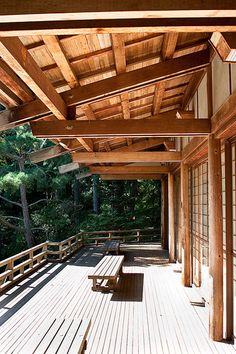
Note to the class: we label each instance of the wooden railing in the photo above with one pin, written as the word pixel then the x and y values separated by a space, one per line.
pixel 61 250
pixel 13 269
pixel 123 235
pixel 16 267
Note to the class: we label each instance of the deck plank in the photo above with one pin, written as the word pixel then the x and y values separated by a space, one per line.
pixel 151 313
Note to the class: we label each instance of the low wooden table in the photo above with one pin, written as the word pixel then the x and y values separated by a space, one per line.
pixel 59 335
pixel 112 246
pixel 106 273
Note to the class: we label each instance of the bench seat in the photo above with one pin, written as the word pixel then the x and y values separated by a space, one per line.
pixel 109 268
pixel 61 336
pixel 112 246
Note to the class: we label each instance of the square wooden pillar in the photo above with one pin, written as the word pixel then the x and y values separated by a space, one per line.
pixel 215 239
pixel 171 225
pixel 185 226
pixel 164 214
pixel 229 279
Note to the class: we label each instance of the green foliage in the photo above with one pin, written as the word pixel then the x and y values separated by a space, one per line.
pixel 65 205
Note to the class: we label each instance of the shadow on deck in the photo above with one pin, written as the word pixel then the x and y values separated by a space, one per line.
pixel 151 312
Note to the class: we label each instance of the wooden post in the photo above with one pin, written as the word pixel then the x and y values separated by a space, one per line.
pixel 185 226
pixel 215 239
pixel 164 214
pixel 171 217
pixel 229 241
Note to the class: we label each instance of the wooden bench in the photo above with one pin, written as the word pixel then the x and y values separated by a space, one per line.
pixel 111 246
pixel 106 273
pixel 59 336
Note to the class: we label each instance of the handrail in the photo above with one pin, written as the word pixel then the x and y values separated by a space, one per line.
pixel 61 250
pixel 136 234
pixel 14 268
pixel 18 266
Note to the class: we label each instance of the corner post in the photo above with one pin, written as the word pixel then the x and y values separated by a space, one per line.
pixel 215 239
pixel 171 217
pixel 185 225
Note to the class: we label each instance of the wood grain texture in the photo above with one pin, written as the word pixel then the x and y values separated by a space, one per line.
pixel 215 239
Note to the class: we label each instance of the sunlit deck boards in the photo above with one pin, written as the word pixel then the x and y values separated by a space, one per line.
pixel 150 314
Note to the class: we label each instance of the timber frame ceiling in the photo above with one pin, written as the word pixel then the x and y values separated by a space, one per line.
pixel 96 64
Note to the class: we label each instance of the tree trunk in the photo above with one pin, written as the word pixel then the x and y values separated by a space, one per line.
pixel 25 209
pixel 133 195
pixel 76 191
pixel 95 195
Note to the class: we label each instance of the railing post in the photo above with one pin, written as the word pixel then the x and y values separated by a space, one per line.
pixel 138 236
pixel 60 250
pixel 110 235
pixel 31 255
pixel 10 266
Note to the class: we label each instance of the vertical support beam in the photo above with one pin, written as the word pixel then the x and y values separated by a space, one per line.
pixel 164 214
pixel 185 225
pixel 171 217
pixel 229 241
pixel 215 239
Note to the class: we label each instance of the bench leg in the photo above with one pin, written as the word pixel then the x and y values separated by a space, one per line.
pixel 84 347
pixel 94 287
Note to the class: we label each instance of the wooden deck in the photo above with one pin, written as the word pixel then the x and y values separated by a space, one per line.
pixel 150 314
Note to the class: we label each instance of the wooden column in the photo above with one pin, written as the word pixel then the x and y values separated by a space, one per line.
pixel 229 242
pixel 215 239
pixel 171 217
pixel 164 214
pixel 185 226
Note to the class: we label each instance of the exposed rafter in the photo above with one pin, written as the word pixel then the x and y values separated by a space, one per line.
pixel 112 86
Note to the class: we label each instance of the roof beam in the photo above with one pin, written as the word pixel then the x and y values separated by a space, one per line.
pixel 126 157
pixel 128 169
pixel 14 83
pixel 68 167
pixel 58 150
pixel 130 177
pixel 112 86
pixel 225 45
pixel 125 128
pixel 55 48
pixel 27 11
pixel 20 60
pixel 47 153
pixel 149 25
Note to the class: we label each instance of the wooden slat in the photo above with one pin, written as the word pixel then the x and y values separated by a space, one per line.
pixel 112 86
pixel 103 157
pixel 125 128
pixel 20 60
